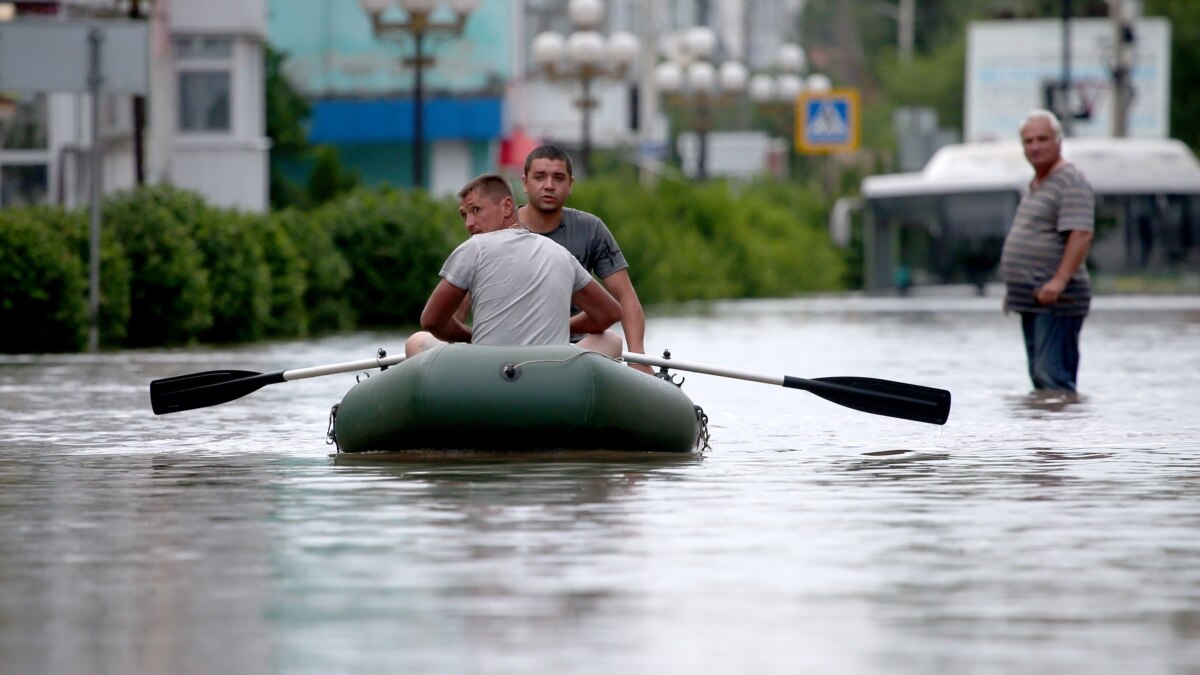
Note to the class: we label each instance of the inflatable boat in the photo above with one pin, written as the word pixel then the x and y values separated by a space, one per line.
pixel 476 397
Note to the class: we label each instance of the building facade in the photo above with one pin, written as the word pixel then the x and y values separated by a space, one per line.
pixel 200 124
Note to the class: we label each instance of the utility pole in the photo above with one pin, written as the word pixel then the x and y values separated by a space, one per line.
pixel 647 107
pixel 904 13
pixel 1064 112
pixel 95 187
pixel 906 20
pixel 1123 39
pixel 139 117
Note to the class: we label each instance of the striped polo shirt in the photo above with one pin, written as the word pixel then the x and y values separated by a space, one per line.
pixel 1034 246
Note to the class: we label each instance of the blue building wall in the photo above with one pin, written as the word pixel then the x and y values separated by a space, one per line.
pixel 332 52
pixel 389 120
pixel 362 91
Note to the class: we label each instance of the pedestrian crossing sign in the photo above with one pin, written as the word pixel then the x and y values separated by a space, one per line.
pixel 827 121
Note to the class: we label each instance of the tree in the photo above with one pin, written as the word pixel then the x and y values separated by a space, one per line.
pixel 287 112
pixel 1185 66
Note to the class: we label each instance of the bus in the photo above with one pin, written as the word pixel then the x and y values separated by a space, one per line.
pixel 946 223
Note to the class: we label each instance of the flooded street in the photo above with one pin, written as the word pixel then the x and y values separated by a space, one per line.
pixel 1024 536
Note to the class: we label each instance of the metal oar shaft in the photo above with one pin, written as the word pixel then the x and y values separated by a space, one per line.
pixel 703 368
pixel 878 397
pixel 343 367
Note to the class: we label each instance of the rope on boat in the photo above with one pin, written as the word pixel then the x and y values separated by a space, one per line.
pixel 510 369
pixel 702 420
pixel 331 432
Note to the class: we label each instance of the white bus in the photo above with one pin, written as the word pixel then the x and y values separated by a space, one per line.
pixel 946 224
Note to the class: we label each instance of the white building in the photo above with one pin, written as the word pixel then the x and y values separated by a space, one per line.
pixel 204 126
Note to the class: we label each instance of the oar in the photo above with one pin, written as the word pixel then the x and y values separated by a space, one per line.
pixel 214 387
pixel 870 395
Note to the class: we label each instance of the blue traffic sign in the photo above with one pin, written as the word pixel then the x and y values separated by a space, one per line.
pixel 827 121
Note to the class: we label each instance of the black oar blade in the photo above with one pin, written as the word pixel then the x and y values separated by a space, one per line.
pixel 200 390
pixel 880 397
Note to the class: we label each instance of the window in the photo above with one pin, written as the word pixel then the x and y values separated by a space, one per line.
pixel 205 82
pixel 23 184
pixel 24 157
pixel 23 121
pixel 204 101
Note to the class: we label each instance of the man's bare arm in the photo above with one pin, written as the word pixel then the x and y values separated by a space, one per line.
pixel 600 309
pixel 1074 255
pixel 439 316
pixel 633 319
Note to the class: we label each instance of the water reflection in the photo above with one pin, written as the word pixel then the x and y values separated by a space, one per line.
pixel 1036 402
pixel 566 477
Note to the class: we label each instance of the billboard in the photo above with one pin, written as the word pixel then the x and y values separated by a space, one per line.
pixel 1010 64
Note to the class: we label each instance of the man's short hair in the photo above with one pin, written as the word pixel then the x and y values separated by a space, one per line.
pixel 489 185
pixel 1042 114
pixel 551 152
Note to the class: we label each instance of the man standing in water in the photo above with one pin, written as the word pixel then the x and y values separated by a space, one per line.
pixel 1044 255
pixel 521 285
pixel 547 180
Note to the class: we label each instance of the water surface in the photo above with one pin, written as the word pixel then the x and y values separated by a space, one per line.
pixel 1025 536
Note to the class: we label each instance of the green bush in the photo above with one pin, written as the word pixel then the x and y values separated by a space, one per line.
pixel 323 268
pixel 330 177
pixel 668 260
pixel 395 243
pixel 115 275
pixel 288 317
pixel 239 277
pixel 170 299
pixel 688 241
pixel 176 270
pixel 43 287
pixel 787 228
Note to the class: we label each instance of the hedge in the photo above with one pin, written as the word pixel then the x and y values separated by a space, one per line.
pixel 177 271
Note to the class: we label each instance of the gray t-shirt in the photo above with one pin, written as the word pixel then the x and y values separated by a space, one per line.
pixel 1034 246
pixel 520 285
pixel 588 239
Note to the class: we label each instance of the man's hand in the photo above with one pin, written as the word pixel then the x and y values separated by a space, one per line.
pixel 1049 293
pixel 642 367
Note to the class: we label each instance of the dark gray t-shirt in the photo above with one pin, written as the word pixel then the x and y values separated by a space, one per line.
pixel 588 239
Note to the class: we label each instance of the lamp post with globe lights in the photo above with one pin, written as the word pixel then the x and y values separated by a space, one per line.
pixel 585 56
pixel 689 79
pixel 778 93
pixel 417 26
pixel 784 87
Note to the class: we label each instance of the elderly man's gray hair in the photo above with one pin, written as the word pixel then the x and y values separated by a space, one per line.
pixel 1050 117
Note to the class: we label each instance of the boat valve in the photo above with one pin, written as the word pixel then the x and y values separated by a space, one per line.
pixel 510 372
pixel 380 354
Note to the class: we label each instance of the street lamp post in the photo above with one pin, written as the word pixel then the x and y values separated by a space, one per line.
pixel 779 91
pixel 584 56
pixel 688 78
pixel 418 26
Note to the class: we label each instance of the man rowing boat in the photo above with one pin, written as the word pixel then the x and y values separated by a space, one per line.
pixel 521 285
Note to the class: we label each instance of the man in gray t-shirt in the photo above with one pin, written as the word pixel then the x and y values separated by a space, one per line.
pixel 521 285
pixel 1044 255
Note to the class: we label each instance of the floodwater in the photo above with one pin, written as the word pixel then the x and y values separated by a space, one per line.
pixel 1024 536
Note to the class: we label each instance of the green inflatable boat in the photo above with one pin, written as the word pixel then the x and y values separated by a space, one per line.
pixel 475 397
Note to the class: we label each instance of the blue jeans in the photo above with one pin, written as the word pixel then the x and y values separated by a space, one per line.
pixel 1052 349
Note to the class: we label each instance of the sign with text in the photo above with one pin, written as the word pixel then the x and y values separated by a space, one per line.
pixel 827 122
pixel 1011 64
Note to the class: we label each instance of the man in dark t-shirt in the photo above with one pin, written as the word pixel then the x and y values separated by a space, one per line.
pixel 547 180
